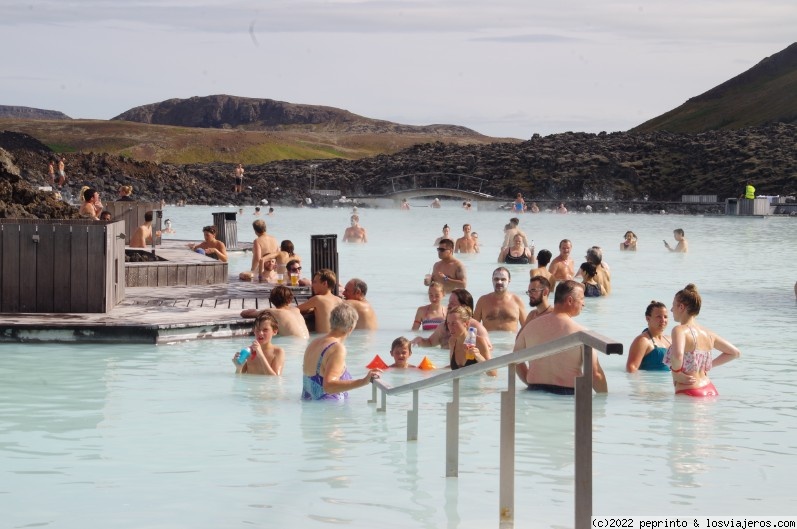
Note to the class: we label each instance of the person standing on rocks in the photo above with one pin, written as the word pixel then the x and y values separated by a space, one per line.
pixel 61 171
pixel 239 179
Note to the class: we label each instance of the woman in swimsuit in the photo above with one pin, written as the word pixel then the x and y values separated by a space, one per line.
pixel 517 253
pixel 462 354
pixel 285 255
pixel 689 356
pixel 629 242
pixel 325 376
pixel 441 335
pixel 446 235
pixel 648 349
pixel 428 317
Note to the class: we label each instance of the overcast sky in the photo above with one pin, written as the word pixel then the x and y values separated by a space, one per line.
pixel 501 67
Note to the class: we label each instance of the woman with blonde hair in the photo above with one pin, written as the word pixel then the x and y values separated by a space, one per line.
pixel 124 193
pixel 428 317
pixel 689 356
pixel 461 353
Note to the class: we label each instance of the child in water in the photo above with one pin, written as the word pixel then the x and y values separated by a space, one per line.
pixel 401 351
pixel 265 358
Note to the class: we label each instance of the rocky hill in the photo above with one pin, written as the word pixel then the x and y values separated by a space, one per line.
pixel 563 167
pixel 224 112
pixel 762 95
pixel 12 112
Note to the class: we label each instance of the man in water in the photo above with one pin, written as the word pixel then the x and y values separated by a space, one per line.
pixel 290 320
pixel 556 373
pixel 465 244
pixel 211 246
pixel 538 292
pixel 500 310
pixel 511 231
pixel 264 247
pixel 354 294
pixel 562 267
pixel 448 271
pixel 143 234
pixel 683 244
pixel 325 283
pixel 355 233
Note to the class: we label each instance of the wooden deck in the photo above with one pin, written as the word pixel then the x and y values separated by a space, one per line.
pixel 151 315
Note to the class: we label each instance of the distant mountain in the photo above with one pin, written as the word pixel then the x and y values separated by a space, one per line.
pixel 764 94
pixel 12 112
pixel 226 112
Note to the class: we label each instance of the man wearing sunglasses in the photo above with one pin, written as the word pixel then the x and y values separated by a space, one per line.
pixel 448 271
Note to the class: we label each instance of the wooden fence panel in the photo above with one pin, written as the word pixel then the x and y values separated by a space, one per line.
pixel 45 268
pixel 95 268
pixel 27 269
pixel 79 298
pixel 62 272
pixel 10 279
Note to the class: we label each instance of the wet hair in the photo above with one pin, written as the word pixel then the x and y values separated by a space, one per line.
pixel 588 269
pixel 210 229
pixel 343 318
pixel 325 275
pixel 148 216
pixel 654 305
pixel 287 246
pixel 565 289
pixel 88 192
pixel 542 280
pixel 266 316
pixel 401 342
pixel 632 234
pixel 680 232
pixel 280 296
pixel 360 285
pixel 260 226
pixel 544 257
pixel 514 221
pixel 503 269
pixel 462 313
pixel 690 298
pixel 447 243
pixel 464 297
pixel 292 262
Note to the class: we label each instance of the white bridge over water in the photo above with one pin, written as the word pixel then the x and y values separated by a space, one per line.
pixel 436 185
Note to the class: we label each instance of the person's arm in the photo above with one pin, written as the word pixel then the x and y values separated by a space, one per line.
pixel 418 318
pixel 477 312
pixel 483 353
pixel 433 340
pixel 457 246
pixel 598 376
pixel 728 350
pixel 521 369
pixel 257 256
pixel 335 365
pixel 365 235
pixel 221 251
pixel 307 306
pixel 460 279
pixel 639 348
pixel 502 254
pixel 521 319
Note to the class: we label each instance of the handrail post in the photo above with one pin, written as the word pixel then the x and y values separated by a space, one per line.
pixel 506 481
pixel 583 436
pixel 412 418
pixel 452 433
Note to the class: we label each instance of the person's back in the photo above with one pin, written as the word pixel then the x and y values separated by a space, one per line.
pixel 291 321
pixel 367 317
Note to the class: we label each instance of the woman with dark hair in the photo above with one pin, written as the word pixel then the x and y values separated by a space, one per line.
pixel 446 235
pixel 325 376
pixel 648 349
pixel 285 255
pixel 689 356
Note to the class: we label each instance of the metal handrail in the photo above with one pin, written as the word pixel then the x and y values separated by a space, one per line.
pixel 588 340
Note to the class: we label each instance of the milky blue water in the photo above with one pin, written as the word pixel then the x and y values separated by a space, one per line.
pixel 132 436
